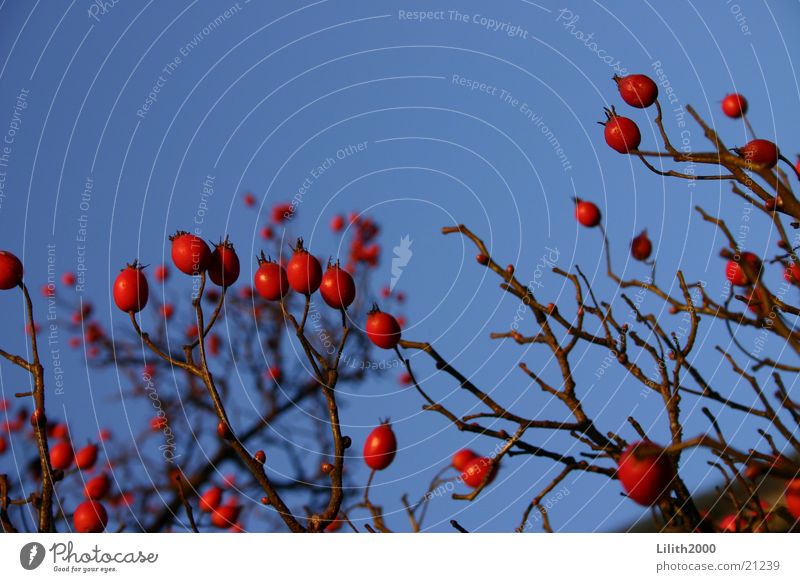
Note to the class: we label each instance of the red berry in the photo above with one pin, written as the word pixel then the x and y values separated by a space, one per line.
pixel 587 213
pixel 97 487
pixel 61 455
pixel 274 373
pixel 476 470
pixel 267 233
pixel 382 329
pixel 90 517
pixel 756 303
pixel 622 134
pixel 249 200
pixel 792 498
pixel 161 273
pixel 735 273
pixel 223 267
pixel 10 271
pixel 212 344
pixel 270 280
pixel 645 472
pixel 731 524
pixel 335 525
pixel 462 457
pixel 130 289
pixel 641 247
pixel 225 515
pixel 637 90
pixel 3 444
pixel 756 469
pixel 760 151
pixel 792 274
pixel 304 271
pixel 337 288
pixel 282 212
pixel 189 253
pixel 86 457
pixel 167 310
pixel 734 105
pixel 68 279
pixel 158 423
pixel 380 447
pixel 223 430
pixel 38 418
pixel 210 500
pixel 337 223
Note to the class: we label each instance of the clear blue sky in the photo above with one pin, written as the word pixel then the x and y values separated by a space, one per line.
pixel 263 96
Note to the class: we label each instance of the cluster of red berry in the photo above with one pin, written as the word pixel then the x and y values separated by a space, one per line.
pixel 90 516
pixel 363 248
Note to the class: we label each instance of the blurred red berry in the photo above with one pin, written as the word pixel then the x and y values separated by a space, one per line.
pixel 90 517
pixel 734 105
pixel 337 223
pixel 587 213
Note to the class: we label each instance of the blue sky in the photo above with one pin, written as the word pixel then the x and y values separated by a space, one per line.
pixel 480 114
